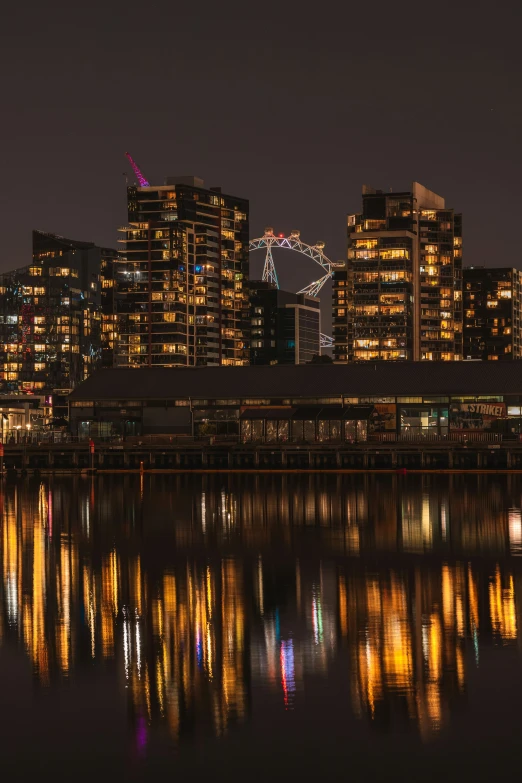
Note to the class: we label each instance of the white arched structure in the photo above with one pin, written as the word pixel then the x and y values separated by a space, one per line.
pixel 293 242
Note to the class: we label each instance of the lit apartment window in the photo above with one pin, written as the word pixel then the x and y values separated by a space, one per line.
pixel 397 253
pixel 366 243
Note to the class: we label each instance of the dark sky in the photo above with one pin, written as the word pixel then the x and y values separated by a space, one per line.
pixel 293 105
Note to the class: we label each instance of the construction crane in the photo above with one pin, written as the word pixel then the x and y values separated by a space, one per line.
pixel 141 179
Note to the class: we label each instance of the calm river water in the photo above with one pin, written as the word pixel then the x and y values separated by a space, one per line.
pixel 261 628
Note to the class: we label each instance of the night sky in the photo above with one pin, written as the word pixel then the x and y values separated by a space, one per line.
pixel 292 105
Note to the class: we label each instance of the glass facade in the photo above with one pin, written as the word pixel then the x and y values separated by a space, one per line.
pixel 400 294
pixel 308 419
pixel 182 296
pixel 492 309
pixel 285 327
pixel 51 333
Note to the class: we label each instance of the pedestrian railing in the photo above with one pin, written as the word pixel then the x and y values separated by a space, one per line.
pixel 423 436
pixel 27 439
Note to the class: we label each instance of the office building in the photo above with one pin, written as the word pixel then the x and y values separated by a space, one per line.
pixel 492 305
pixel 285 327
pixel 182 299
pixel 399 297
pixel 50 315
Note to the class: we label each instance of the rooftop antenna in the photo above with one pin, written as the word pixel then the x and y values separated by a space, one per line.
pixel 141 179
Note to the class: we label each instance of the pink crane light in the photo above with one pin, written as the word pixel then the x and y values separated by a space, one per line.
pixel 141 179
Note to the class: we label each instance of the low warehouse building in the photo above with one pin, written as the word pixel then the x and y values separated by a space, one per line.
pixel 309 403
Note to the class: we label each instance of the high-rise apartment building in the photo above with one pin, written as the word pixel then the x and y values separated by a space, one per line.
pixel 492 312
pixel 342 316
pixel 182 295
pixel 399 296
pixel 285 327
pixel 50 315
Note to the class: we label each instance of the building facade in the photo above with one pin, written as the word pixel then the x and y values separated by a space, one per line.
pixel 492 311
pixel 182 296
pixel 285 327
pixel 400 295
pixel 50 315
pixel 305 403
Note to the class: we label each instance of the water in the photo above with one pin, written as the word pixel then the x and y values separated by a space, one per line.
pixel 261 628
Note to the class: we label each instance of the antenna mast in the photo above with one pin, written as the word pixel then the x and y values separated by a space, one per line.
pixel 141 179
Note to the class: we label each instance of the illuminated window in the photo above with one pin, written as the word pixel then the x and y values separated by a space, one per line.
pixel 399 252
pixel 366 254
pixel 365 343
pixel 366 243
pixel 362 277
pixel 366 355
pixel 391 277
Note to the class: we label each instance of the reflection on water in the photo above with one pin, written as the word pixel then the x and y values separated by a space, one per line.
pixel 204 599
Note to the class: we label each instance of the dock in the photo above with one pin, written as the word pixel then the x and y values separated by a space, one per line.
pixel 188 456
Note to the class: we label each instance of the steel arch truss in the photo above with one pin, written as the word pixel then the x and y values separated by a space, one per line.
pixel 293 242
pixel 326 341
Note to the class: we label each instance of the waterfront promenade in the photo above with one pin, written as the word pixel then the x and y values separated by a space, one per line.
pixel 184 454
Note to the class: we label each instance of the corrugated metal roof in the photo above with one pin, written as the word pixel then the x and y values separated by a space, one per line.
pixel 287 381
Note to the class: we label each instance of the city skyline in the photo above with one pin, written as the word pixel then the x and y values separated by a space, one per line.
pixel 251 131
